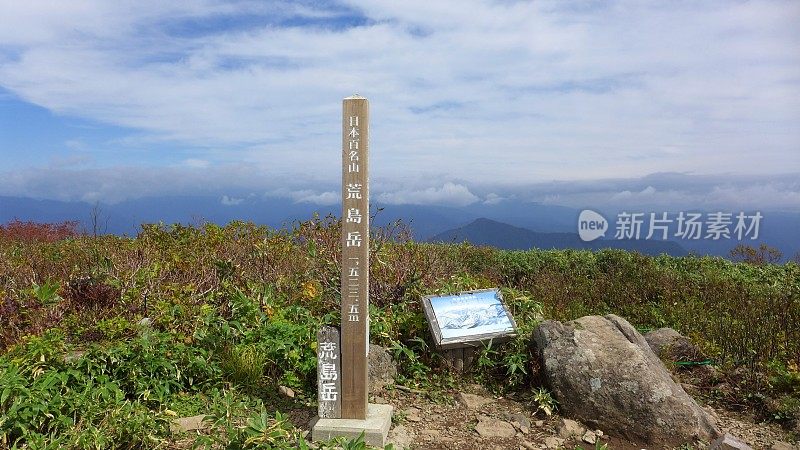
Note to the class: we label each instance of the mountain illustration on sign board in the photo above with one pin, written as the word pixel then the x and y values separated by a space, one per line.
pixel 473 317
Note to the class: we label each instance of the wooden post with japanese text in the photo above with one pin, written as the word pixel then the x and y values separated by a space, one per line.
pixel 355 257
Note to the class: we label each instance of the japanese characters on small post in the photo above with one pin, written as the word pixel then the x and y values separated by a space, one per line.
pixel 329 381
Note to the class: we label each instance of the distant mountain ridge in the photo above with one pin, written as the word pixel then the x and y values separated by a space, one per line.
pixel 557 225
pixel 485 231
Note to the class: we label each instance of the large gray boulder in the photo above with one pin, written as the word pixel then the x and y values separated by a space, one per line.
pixel 603 373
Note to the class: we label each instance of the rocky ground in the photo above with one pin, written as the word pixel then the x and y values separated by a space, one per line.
pixel 473 419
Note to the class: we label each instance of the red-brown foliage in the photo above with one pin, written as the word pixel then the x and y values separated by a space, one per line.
pixel 764 254
pixel 18 230
pixel 86 293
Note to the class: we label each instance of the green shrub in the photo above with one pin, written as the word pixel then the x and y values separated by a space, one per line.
pixel 243 365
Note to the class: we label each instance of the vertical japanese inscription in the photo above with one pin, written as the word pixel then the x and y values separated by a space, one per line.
pixel 355 256
pixel 329 379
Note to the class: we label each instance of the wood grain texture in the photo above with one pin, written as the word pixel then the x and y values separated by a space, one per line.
pixel 355 256
pixel 469 358
pixel 458 359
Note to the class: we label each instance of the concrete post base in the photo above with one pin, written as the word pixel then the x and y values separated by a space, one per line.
pixel 375 427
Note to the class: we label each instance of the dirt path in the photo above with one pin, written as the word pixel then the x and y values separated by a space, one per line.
pixel 449 424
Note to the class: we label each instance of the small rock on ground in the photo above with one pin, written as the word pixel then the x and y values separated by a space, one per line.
pixel 412 414
pixel 669 343
pixel 489 427
pixel 568 428
pixel 400 437
pixel 185 424
pixel 286 391
pixel 783 446
pixel 523 421
pixel 553 442
pixel 473 401
pixel 430 434
pixel 729 442
pixel 522 428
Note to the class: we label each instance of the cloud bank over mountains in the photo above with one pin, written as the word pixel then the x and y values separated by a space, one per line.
pixel 237 185
pixel 479 101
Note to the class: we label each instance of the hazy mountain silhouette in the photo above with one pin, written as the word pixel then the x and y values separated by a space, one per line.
pixel 502 235
pixel 531 224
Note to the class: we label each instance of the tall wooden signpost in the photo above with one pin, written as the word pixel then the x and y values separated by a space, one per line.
pixel 343 375
pixel 355 256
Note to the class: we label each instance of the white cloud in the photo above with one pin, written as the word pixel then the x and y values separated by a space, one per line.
pixel 754 195
pixel 449 194
pixel 324 198
pixel 231 201
pixel 493 199
pixel 660 191
pixel 306 196
pixel 672 191
pixel 627 195
pixel 619 89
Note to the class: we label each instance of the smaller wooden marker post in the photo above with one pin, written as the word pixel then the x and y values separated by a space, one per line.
pixel 329 382
pixel 355 256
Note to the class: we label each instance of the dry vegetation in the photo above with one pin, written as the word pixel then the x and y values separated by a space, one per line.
pixel 226 301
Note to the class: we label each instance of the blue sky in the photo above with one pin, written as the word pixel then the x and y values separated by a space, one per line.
pixel 608 103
